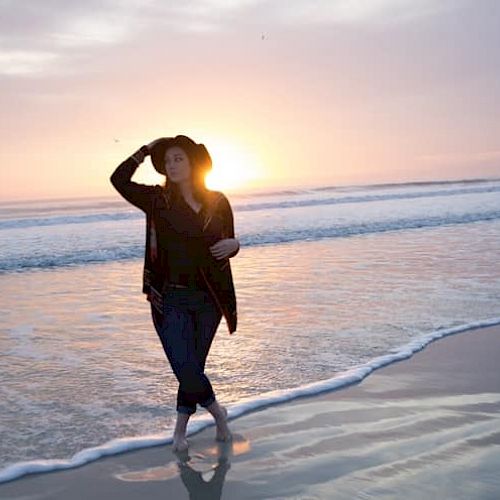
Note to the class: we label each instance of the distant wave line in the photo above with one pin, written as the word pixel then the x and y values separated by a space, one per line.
pixel 101 255
pixel 103 201
pixel 364 198
pixel 272 205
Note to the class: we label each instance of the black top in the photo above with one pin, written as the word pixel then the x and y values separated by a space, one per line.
pixel 182 248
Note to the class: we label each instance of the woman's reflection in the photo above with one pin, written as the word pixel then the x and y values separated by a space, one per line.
pixel 192 474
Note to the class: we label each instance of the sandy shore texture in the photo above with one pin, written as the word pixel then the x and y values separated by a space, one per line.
pixel 427 427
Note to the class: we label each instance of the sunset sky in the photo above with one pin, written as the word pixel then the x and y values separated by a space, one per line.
pixel 302 92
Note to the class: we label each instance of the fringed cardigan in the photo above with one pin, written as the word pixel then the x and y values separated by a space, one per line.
pixel 217 224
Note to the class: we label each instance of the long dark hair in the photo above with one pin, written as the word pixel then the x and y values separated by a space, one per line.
pixel 199 159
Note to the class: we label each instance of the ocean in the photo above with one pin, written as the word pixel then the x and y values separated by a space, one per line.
pixel 331 282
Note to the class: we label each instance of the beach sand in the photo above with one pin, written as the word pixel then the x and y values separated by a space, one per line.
pixel 426 427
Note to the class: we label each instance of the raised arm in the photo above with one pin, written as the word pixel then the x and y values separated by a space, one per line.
pixel 137 194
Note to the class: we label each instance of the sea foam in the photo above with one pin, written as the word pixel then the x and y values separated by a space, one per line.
pixel 242 407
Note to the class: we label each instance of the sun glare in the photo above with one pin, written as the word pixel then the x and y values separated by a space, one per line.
pixel 232 168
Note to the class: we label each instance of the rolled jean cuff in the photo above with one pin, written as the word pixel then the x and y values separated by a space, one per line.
pixel 208 402
pixel 186 409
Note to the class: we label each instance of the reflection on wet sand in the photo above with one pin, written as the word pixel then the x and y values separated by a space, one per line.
pixel 202 468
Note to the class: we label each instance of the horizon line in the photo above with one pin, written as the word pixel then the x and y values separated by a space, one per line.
pixel 272 189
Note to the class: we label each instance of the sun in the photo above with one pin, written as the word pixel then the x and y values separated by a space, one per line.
pixel 232 167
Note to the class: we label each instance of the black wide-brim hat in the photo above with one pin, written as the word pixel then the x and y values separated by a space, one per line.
pixel 197 153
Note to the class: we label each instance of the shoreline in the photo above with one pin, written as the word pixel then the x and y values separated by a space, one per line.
pixel 244 407
pixel 389 381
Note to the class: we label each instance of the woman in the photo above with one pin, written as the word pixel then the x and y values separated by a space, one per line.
pixel 187 275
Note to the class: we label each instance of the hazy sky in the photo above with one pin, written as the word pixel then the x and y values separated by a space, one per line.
pixel 282 93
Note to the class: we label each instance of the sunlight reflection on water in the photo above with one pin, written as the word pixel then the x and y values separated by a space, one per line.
pixel 84 358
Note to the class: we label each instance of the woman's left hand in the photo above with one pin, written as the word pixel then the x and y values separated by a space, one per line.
pixel 224 248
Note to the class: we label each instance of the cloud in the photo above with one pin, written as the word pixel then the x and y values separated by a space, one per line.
pixel 43 36
pixel 61 37
pixel 36 36
pixel 18 62
pixel 91 31
pixel 357 12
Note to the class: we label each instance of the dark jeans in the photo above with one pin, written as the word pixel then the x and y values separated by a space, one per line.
pixel 190 320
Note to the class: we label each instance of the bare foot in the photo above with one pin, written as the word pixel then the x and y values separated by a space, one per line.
pixel 180 443
pixel 223 433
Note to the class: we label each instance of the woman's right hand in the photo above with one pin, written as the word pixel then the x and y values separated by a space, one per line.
pixel 141 154
pixel 152 143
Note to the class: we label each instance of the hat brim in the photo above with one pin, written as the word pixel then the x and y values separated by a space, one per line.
pixel 198 152
pixel 158 154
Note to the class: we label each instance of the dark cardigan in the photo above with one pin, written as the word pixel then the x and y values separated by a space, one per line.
pixel 218 224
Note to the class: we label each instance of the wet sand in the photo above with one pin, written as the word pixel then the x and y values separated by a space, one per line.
pixel 426 427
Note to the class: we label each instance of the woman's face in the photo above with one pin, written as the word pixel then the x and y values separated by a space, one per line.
pixel 177 165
